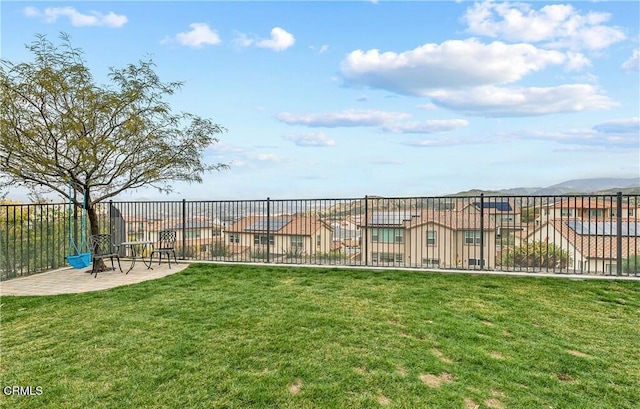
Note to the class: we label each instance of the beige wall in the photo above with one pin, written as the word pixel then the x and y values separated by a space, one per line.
pixel 282 243
pixel 449 248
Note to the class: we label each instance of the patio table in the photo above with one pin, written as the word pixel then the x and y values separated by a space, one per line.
pixel 138 248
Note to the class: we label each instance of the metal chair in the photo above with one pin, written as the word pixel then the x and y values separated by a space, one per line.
pixel 166 244
pixel 101 248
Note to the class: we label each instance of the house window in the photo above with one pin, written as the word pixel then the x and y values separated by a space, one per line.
pixel 387 257
pixel 431 238
pixel 318 241
pixel 612 268
pixel 136 231
pixel 234 237
pixel 261 239
pixel 388 235
pixel 216 233
pixel 476 262
pixel 566 212
pixel 297 241
pixel 431 262
pixel 472 237
pixel 193 234
pixel 596 212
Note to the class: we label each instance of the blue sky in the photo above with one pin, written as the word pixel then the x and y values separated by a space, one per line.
pixel 344 99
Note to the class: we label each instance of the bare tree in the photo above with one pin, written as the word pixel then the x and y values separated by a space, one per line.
pixel 59 127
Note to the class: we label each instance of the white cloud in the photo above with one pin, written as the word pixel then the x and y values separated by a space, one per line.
pixel 576 61
pixel 242 40
pixel 310 139
pixel 199 35
pixel 452 64
pixel 426 127
pixel 505 102
pixel 266 157
pixel 342 119
pixel 585 138
pixel 319 50
pixel 280 40
pixel 633 63
pixel 620 126
pixel 556 26
pixel 77 19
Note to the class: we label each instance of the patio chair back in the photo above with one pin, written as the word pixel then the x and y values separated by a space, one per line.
pixel 167 240
pixel 102 247
pixel 166 244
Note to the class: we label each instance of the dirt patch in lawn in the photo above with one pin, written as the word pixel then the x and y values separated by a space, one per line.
pixel 441 356
pixel 296 387
pixel 434 381
pixel 565 378
pixel 496 355
pixel 360 370
pixel 494 403
pixel 401 371
pixel 470 404
pixel 578 353
pixel 383 400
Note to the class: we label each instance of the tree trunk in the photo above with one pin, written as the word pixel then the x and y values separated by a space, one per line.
pixel 94 223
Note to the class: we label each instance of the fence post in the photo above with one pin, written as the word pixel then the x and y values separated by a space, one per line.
pixel 619 235
pixel 184 228
pixel 111 228
pixel 268 229
pixel 366 230
pixel 481 231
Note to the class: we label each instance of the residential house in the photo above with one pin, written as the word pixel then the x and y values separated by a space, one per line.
pixel 430 238
pixel 592 246
pixel 198 235
pixel 506 217
pixel 290 235
pixel 586 208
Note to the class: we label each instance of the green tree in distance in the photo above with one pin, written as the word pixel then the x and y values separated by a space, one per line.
pixel 537 254
pixel 58 126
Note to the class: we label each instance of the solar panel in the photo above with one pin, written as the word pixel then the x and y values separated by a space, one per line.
pixel 604 228
pixel 391 218
pixel 274 224
pixel 500 206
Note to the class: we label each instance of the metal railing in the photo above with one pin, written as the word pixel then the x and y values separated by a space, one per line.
pixel 587 234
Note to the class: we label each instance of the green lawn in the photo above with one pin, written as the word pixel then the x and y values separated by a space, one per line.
pixel 277 337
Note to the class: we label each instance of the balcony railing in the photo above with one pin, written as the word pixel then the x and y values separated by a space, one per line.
pixel 591 234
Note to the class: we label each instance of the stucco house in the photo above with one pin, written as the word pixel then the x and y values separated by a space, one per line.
pixel 430 238
pixel 592 246
pixel 585 208
pixel 292 235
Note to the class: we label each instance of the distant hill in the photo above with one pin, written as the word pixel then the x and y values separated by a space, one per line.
pixel 589 186
pixel 576 186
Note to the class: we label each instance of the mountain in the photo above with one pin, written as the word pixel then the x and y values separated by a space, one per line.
pixel 589 186
pixel 575 186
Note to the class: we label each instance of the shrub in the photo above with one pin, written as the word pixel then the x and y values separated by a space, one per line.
pixel 537 254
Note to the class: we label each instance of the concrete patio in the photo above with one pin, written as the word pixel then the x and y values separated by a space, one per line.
pixel 69 280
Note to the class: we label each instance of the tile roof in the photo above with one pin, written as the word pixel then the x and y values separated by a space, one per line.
pixel 589 245
pixel 452 219
pixel 587 203
pixel 290 225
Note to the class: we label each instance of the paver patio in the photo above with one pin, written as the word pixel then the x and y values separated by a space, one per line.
pixel 69 280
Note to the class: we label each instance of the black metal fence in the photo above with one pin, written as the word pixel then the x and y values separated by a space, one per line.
pixel 593 234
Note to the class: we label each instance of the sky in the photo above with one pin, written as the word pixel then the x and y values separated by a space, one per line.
pixel 336 99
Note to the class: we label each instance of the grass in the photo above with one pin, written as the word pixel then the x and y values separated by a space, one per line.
pixel 276 337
